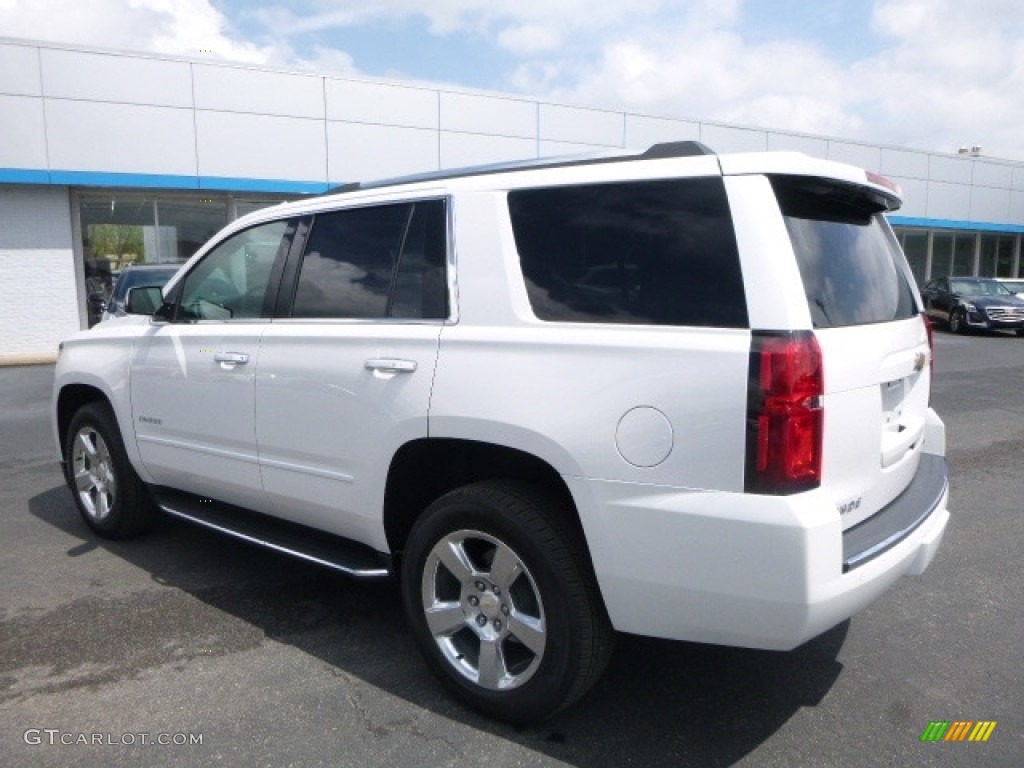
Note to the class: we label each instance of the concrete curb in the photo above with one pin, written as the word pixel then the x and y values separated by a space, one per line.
pixel 11 360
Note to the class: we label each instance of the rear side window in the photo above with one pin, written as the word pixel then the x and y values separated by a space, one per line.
pixel 375 262
pixel 652 252
pixel 852 268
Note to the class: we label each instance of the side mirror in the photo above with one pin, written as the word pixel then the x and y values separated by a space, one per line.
pixel 143 300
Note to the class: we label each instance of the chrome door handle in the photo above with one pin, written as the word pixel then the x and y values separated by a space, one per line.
pixel 390 365
pixel 231 359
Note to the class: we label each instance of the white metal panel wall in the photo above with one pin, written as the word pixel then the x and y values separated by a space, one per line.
pixel 120 138
pixel 903 163
pixel 991 175
pixel 988 204
pixel 788 142
pixel 260 146
pixel 915 196
pixel 563 148
pixel 19 71
pixel 642 132
pixel 381 104
pixel 116 77
pixel 234 89
pixel 1016 207
pixel 358 152
pixel 581 126
pixel 489 115
pixel 955 170
pixel 727 138
pixel 463 149
pixel 860 155
pixel 22 132
pixel 948 201
pixel 38 294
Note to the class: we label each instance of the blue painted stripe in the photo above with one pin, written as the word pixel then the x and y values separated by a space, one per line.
pixel 975 226
pixel 227 183
pixel 23 176
pixel 103 179
pixel 159 181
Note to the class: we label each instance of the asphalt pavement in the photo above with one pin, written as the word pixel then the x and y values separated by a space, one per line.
pixel 237 656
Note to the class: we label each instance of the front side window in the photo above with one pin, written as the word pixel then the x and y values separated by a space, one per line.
pixel 230 282
pixel 385 261
pixel 657 252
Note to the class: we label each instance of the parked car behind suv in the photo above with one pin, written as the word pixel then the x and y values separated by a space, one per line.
pixel 981 303
pixel 676 394
pixel 155 275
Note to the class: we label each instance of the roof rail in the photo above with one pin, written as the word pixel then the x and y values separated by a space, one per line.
pixel 654 152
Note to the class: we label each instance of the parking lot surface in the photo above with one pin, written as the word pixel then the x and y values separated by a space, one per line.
pixel 232 655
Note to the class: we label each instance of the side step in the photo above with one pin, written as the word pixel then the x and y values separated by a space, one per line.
pixel 308 544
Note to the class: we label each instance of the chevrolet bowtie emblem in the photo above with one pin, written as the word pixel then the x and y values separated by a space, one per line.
pixel 920 361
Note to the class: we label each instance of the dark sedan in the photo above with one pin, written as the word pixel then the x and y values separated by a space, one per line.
pixel 132 277
pixel 973 302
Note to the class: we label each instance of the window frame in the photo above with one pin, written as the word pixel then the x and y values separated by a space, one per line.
pixel 289 284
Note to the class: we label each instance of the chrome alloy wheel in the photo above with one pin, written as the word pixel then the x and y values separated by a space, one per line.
pixel 484 610
pixel 93 470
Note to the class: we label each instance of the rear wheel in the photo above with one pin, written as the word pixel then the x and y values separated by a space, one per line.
pixel 502 601
pixel 112 499
pixel 958 321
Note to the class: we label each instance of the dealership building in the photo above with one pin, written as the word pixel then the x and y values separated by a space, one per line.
pixel 110 158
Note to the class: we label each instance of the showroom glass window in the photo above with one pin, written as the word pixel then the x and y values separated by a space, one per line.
pixel 915 246
pixel 120 229
pixel 963 255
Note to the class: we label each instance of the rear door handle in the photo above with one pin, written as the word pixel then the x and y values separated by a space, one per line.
pixel 391 365
pixel 231 359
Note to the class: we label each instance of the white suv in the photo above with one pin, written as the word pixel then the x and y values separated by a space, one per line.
pixel 675 394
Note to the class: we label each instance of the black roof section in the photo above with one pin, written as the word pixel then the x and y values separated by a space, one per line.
pixel 654 152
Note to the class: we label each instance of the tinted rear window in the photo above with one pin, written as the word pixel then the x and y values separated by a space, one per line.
pixel 852 268
pixel 653 252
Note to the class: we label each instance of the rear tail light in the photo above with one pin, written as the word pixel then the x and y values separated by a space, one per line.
pixel 931 342
pixel 785 413
pixel 931 354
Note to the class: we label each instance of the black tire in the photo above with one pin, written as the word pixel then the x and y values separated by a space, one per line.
pixel 545 591
pixel 112 499
pixel 957 321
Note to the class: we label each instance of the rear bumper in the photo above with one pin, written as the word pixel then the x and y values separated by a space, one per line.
pixel 753 571
pixel 898 520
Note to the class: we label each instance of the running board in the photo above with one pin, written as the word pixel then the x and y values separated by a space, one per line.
pixel 335 552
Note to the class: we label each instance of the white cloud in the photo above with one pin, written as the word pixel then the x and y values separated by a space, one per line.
pixel 180 27
pixel 529 39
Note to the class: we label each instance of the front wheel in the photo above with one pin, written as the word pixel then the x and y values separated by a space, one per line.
pixel 113 500
pixel 502 601
pixel 957 321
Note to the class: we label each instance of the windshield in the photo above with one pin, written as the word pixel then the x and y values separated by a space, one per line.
pixel 979 287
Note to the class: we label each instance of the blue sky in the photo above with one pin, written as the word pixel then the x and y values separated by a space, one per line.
pixel 932 74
